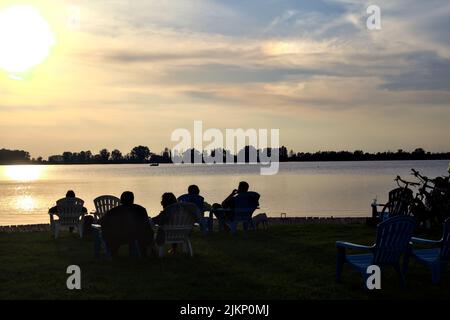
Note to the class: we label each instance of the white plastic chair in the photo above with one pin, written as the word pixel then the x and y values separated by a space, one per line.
pixel 103 204
pixel 178 228
pixel 70 215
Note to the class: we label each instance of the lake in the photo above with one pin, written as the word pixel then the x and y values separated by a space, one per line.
pixel 340 189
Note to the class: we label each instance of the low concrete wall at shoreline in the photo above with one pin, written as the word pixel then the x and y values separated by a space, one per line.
pixel 287 220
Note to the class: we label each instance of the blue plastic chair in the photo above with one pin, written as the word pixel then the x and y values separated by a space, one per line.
pixel 435 258
pixel 244 206
pixel 393 237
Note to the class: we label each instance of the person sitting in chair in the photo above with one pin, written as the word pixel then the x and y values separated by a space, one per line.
pixel 127 224
pixel 237 198
pixel 193 196
pixel 168 199
pixel 69 194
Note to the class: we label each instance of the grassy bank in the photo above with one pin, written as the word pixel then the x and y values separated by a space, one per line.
pixel 286 262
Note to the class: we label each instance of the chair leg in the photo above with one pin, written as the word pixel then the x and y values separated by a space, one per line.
pixel 435 273
pixel 233 227
pixel 80 230
pixel 161 251
pixel 56 231
pixel 401 275
pixel 97 243
pixel 189 245
pixel 340 260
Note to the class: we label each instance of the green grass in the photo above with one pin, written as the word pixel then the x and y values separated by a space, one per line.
pixel 286 262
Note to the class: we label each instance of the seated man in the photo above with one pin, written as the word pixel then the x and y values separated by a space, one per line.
pixel 127 224
pixel 69 194
pixel 193 196
pixel 238 199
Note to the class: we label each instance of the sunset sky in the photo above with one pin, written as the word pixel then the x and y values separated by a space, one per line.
pixel 133 71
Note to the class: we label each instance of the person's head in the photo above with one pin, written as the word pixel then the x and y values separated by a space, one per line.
pixel 193 189
pixel 70 194
pixel 127 198
pixel 243 186
pixel 168 198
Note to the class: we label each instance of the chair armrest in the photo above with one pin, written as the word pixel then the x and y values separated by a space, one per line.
pixel 424 241
pixel 96 226
pixel 349 245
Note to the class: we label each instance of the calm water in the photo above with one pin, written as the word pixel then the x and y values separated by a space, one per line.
pixel 299 189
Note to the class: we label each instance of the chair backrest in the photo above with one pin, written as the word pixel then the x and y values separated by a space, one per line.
pixel 69 210
pixel 393 237
pixel 245 204
pixel 400 200
pixel 105 203
pixel 445 249
pixel 195 199
pixel 180 222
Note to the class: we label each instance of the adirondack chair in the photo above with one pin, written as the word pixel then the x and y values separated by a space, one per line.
pixel 393 237
pixel 245 205
pixel 436 258
pixel 399 200
pixel 103 204
pixel 70 215
pixel 178 228
pixel 101 246
pixel 199 203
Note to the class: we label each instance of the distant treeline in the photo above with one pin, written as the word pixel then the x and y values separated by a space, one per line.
pixel 14 156
pixel 142 154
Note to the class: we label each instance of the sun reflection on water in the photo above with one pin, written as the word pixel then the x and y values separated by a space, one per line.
pixel 25 203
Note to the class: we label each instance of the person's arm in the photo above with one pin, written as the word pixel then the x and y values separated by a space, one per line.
pixel 227 203
pixel 53 210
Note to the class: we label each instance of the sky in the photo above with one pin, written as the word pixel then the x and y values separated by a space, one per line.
pixel 131 72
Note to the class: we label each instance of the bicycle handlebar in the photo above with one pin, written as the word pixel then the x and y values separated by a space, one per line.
pixel 398 178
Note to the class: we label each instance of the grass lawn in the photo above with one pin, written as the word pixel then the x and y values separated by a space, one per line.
pixel 285 262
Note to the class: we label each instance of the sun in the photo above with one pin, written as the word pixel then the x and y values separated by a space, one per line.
pixel 25 39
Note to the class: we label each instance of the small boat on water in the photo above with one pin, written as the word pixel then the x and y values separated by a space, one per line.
pixel 154 164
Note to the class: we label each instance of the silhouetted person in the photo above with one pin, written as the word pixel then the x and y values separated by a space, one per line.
pixel 127 224
pixel 193 196
pixel 249 198
pixel 164 216
pixel 69 194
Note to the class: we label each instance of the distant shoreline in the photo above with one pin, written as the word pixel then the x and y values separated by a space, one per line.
pixel 233 163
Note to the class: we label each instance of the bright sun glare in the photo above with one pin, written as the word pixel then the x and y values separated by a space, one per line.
pixel 24 172
pixel 25 39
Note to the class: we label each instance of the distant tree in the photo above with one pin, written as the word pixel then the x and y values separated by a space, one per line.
pixel 419 151
pixel 67 156
pixel 140 153
pixel 104 155
pixel 116 155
